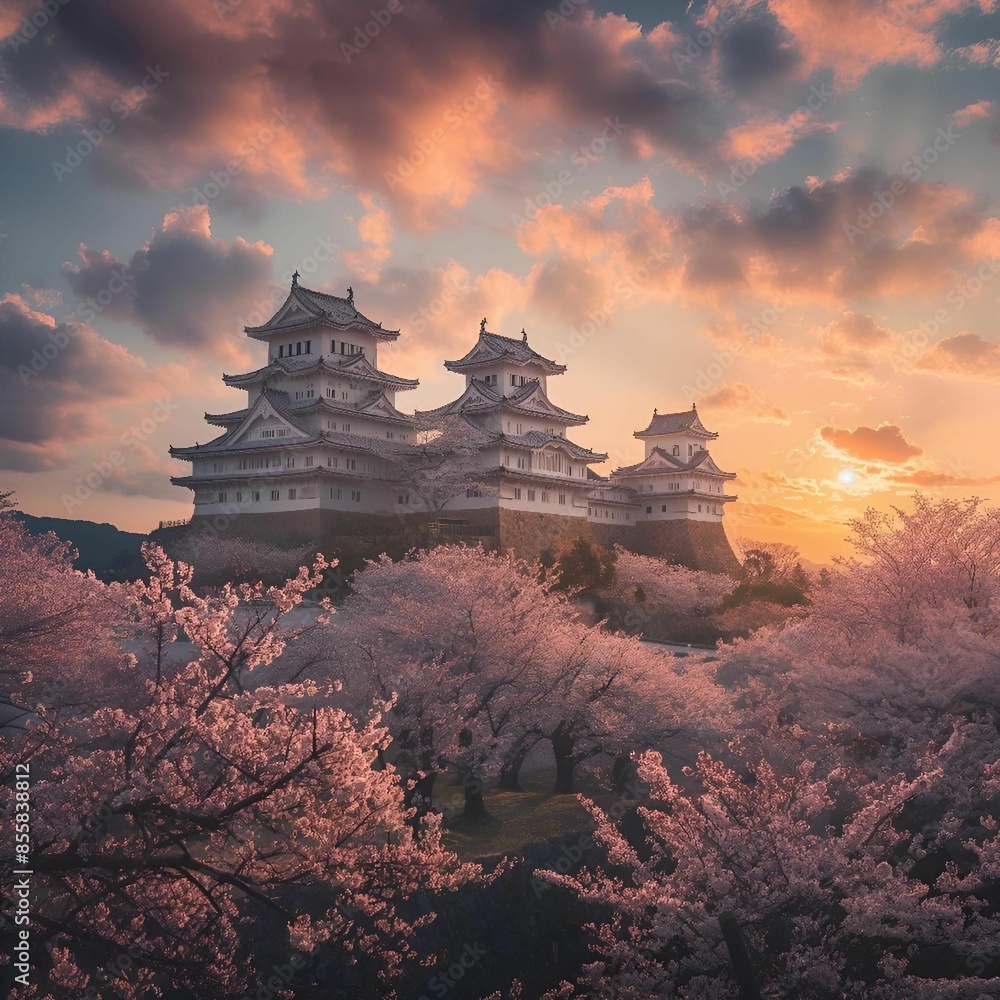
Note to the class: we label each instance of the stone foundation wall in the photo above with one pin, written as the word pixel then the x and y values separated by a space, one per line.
pixel 529 532
pixel 697 544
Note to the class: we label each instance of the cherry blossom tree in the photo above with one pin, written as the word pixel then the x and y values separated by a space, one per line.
pixel 815 875
pixel 182 812
pixel 219 560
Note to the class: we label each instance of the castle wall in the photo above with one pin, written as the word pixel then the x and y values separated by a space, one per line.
pixel 697 544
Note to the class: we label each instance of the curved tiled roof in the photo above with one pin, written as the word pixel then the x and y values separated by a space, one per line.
pixel 351 365
pixel 674 423
pixel 492 348
pixel 318 308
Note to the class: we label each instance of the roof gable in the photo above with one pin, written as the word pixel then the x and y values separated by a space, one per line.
pixel 492 348
pixel 676 423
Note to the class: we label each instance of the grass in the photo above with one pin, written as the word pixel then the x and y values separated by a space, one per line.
pixel 518 818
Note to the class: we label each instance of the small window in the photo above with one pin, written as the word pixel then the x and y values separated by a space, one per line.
pixel 562 498
pixel 517 492
pixel 351 463
pixel 275 494
pixel 569 470
pixel 291 493
pixel 699 508
pixel 255 496
pixel 309 345
pixel 531 495
pixel 404 499
pixel 309 460
pixel 298 347
pixel 663 509
pixel 239 496
pixel 347 427
pixel 222 497
pixel 290 462
pixel 690 450
pixel 545 497
pixel 649 510
pixel 281 351
pixel 676 450
pixel 356 496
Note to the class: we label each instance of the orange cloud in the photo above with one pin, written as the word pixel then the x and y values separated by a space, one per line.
pixel 881 444
pixel 741 402
pixel 963 354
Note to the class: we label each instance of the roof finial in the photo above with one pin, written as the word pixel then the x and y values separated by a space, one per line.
pixel 694 406
pixel 295 278
pixel 350 295
pixel 524 336
pixel 656 412
pixel 482 325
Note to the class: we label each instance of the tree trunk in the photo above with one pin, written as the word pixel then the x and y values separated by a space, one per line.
pixel 746 982
pixel 622 771
pixel 475 807
pixel 510 773
pixel 562 748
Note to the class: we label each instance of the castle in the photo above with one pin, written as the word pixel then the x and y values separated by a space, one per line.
pixel 322 453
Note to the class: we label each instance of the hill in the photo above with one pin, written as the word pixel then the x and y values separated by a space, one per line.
pixel 111 553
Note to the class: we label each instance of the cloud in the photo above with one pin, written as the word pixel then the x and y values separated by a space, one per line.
pixel 978 111
pixel 742 402
pixel 57 399
pixel 966 354
pixel 882 444
pixel 183 288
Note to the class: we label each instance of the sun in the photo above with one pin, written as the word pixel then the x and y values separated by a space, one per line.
pixel 847 476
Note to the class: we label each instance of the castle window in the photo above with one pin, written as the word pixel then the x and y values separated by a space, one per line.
pixel 351 463
pixel 255 496
pixel 545 497
pixel 663 509
pixel 628 516
pixel 513 380
pixel 473 493
pixel 346 428
pixel 309 345
pixel 222 497
pixel 356 496
pixel 518 430
pixel 333 347
pixel 690 450
pixel 291 493
pixel 569 470
pixel 562 498
pixel 521 462
pixel 290 462
pixel 676 450
pixel 649 510
pixel 404 499
pixel 275 494
pixel 699 508
pixel 517 492
pixel 281 351
pixel 334 494
pixel 298 347
pixel 531 495
pixel 239 496
pixel 309 460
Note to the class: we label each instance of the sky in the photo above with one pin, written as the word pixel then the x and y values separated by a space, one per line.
pixel 785 210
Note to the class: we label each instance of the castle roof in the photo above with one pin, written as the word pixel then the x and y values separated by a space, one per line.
pixel 375 404
pixel 539 439
pixel 675 423
pixel 528 400
pixel 348 365
pixel 659 461
pixel 492 348
pixel 305 308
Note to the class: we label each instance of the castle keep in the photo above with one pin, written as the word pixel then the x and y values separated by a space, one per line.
pixel 321 453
